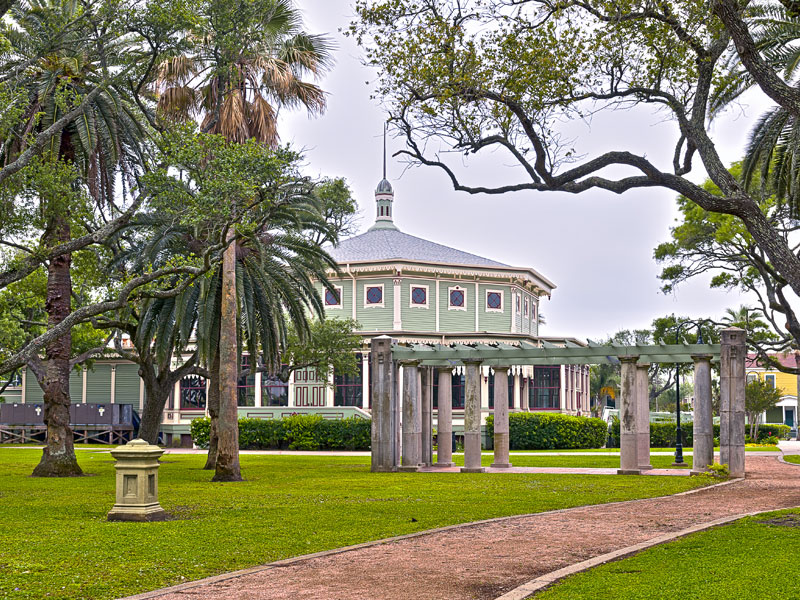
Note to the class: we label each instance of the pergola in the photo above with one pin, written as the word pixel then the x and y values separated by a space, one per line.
pixel 411 431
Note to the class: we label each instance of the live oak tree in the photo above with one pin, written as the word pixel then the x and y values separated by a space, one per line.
pixel 474 77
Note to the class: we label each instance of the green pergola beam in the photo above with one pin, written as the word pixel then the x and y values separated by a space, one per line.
pixel 530 355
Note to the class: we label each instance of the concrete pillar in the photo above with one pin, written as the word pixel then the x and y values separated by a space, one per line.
pixel 444 421
pixel 628 443
pixel 472 418
pixel 412 417
pixel 731 412
pixel 643 415
pixel 501 459
pixel 703 427
pixel 384 441
pixel 426 378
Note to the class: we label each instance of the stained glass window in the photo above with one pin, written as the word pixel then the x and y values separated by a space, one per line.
pixel 494 300
pixel 332 297
pixel 457 298
pixel 419 295
pixel 374 295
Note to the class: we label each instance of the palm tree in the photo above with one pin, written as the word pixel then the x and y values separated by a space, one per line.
pixel 247 64
pixel 58 54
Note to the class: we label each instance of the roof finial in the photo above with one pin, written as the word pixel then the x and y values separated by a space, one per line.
pixel 384 149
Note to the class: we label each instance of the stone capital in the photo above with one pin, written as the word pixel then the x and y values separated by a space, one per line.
pixel 409 363
pixel 702 357
pixel 472 361
pixel 629 358
pixel 506 369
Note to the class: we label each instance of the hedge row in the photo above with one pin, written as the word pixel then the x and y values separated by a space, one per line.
pixel 545 431
pixel 299 432
pixel 662 435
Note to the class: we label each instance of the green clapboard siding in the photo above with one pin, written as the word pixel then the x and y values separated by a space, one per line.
pixel 456 320
pixel 98 384
pixel 346 312
pixel 496 322
pixel 76 386
pixel 127 385
pixel 775 415
pixel 418 318
pixel 33 393
pixel 375 318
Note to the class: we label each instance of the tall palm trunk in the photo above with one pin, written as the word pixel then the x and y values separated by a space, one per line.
pixel 58 457
pixel 213 412
pixel 227 466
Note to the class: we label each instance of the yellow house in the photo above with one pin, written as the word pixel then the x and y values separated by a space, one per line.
pixel 788 384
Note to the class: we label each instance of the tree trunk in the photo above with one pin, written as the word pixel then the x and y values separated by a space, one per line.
pixel 213 412
pixel 58 457
pixel 156 394
pixel 227 466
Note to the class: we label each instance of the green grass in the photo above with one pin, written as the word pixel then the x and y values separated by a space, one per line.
pixel 573 461
pixel 616 450
pixel 792 458
pixel 732 561
pixel 56 543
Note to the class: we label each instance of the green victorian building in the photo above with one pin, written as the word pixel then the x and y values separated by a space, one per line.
pixel 392 283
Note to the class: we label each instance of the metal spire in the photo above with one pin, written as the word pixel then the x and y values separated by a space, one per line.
pixel 384 149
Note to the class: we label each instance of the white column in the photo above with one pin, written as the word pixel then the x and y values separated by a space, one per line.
pixel 258 390
pixel 83 383
pixel 365 380
pixel 436 299
pixel 141 394
pixel 113 383
pixel 398 306
pixel 25 378
pixel 479 306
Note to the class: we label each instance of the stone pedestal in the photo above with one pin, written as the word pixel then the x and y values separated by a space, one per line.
pixel 628 442
pixel 703 425
pixel 444 419
pixel 412 417
pixel 472 418
pixel 137 483
pixel 384 441
pixel 501 459
pixel 731 414
pixel 642 403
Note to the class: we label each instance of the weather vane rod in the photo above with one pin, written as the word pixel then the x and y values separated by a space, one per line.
pixel 384 150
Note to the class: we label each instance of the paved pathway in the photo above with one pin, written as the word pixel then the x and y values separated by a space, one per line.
pixel 485 560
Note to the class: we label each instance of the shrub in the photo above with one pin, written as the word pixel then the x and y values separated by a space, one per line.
pixel 662 435
pixel 298 432
pixel 544 431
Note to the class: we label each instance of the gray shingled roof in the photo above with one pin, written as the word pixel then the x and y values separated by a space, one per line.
pixel 391 244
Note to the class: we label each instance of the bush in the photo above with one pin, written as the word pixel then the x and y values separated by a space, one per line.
pixel 298 432
pixel 545 431
pixel 662 435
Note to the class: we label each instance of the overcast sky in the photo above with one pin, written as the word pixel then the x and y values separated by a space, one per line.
pixel 597 247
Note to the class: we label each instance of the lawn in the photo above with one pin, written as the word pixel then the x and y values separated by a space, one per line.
pixel 56 543
pixel 587 461
pixel 748 448
pixel 792 458
pixel 732 561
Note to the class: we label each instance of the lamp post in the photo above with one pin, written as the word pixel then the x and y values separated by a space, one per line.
pixel 679 462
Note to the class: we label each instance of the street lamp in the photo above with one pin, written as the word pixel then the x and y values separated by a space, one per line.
pixel 679 462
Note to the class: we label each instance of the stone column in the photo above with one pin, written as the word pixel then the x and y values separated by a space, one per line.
pixel 384 441
pixel 412 417
pixel 703 425
pixel 426 379
pixel 643 415
pixel 501 418
pixel 628 444
pixel 472 418
pixel 731 412
pixel 444 420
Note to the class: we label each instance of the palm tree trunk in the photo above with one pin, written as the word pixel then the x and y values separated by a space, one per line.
pixel 58 457
pixel 227 466
pixel 213 412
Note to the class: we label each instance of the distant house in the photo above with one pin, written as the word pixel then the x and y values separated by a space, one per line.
pixel 787 409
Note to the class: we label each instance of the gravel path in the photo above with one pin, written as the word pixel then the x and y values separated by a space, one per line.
pixel 486 560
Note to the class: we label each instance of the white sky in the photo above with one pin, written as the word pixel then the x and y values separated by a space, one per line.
pixel 597 247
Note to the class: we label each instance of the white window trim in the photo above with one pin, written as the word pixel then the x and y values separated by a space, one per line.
pixel 383 295
pixel 411 296
pixel 460 289
pixel 340 292
pixel 527 307
pixel 502 301
pixel 518 304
